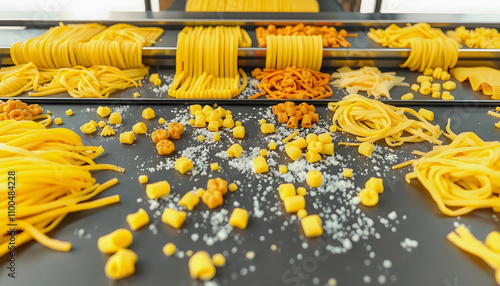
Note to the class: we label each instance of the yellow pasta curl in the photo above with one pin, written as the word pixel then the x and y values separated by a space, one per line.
pixel 49 175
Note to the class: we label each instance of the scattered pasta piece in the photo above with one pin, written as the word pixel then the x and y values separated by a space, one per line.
pixel 107 131
pixel 407 96
pixel 312 226
pixel 140 128
pixel 183 165
pixel 234 151
pixel 101 123
pixel 232 187
pixel 272 145
pixel 263 152
pixel 239 132
pixel 219 260
pixel 239 218
pixel 267 128
pixel 58 121
pixel 286 190
pixel 427 114
pixel 136 94
pixel 175 130
pixel 201 266
pixel 115 118
pixel 375 184
pixel 260 165
pixel 143 179
pixel 158 135
pixel 87 128
pixel 121 264
pixel 165 147
pixel 346 172
pixel 368 197
pixel 118 239
pixel 294 203
pixel 148 113
pixel 190 200
pixel 366 149
pixel 173 217
pixel 301 213
pixel 169 249
pixel 127 137
pixel 69 112
pixel 301 191
pixel 314 178
pixel 283 169
pixel 157 190
pixel 214 166
pixel 138 219
pixel 103 111
pixel 201 137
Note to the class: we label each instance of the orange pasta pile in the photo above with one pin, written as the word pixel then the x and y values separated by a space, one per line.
pixel 292 83
pixel 18 110
pixel 291 114
pixel 331 37
pixel 462 176
pixel 47 172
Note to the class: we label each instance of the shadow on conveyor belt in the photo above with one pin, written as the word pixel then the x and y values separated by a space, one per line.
pixel 324 6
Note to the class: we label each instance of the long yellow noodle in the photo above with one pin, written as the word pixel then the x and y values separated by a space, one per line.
pixel 52 175
pixel 462 176
pixel 371 120
pixel 207 62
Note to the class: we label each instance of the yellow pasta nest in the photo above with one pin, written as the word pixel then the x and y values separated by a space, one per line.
pixel 462 176
pixel 430 47
pixel 371 120
pixel 56 180
pixel 207 62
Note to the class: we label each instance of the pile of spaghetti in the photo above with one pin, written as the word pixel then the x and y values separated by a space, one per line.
pixel 292 83
pixel 371 120
pixel 87 60
pixel 207 62
pixel 330 36
pixel 430 47
pixel 47 173
pixel 300 6
pixel 462 176
pixel 294 51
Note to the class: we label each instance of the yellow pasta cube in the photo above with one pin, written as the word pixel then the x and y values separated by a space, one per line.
pixel 368 197
pixel 239 132
pixel 101 124
pixel 127 137
pixel 299 142
pixel 272 145
pixel 449 85
pixel 103 111
pixel 313 157
pixel 228 122
pixel 314 178
pixel 183 165
pixel 201 137
pixel 327 149
pixel 301 191
pixel 161 120
pixel 207 108
pixel 347 172
pixel 415 87
pixel 312 226
pixel 427 114
pixel 435 87
pixel 189 201
pixel 193 108
pixel 239 218
pixel 118 239
pixel 213 125
pixel 138 219
pixel 267 128
pixel 286 190
pixel 294 203
pixel 157 81
pixel 493 241
pixel 292 151
pixel 302 213
pixel 376 184
pixel 136 94
pixel 69 112
pixel 263 152
pixel 158 189
pixel 143 179
pixel 169 249
pixel 311 138
pixel 200 121
pixel 121 264
pixel 201 266
pixel 234 151
pixel 283 169
pixel 153 77
pixel 315 146
pixel 407 96
pixel 115 118
pixel 436 94
pixel 325 138
pixel 260 165
pixel 58 121
pixel 148 113
pixel 237 123
pixel 173 217
pixel 140 128
pixel 214 166
pixel 366 148
pixel 232 187
pixel 219 260
pixel 216 136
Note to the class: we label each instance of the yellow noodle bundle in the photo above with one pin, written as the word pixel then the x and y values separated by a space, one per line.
pixel 300 6
pixel 16 79
pixel 430 47
pixel 207 62
pixel 46 173
pixel 294 51
pixel 371 120
pixel 96 81
pixel 462 176
pixel 87 45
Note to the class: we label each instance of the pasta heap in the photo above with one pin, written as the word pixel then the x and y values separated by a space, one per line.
pixel 301 6
pixel 462 176
pixel 86 45
pixel 18 110
pixel 292 83
pixel 483 38
pixel 330 36
pixel 17 79
pixel 371 120
pixel 294 51
pixel 207 62
pixel 430 47
pixel 51 172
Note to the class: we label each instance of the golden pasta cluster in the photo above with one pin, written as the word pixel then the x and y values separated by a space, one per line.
pixel 207 62
pixel 18 110
pixel 483 38
pixel 291 114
